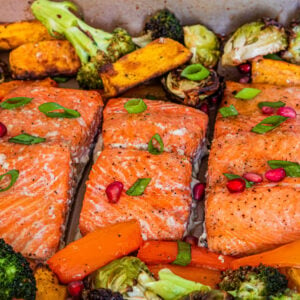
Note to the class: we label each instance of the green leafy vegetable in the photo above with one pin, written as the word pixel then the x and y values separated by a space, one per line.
pixel 135 106
pixel 292 169
pixel 249 184
pixel 195 72
pixel 49 107
pixel 60 79
pixel 247 93
pixel 228 111
pixel 138 187
pixel 15 102
pixel 275 104
pixel 184 256
pixel 273 56
pixel 14 174
pixel 172 287
pixel 26 139
pixel 268 124
pixel 154 150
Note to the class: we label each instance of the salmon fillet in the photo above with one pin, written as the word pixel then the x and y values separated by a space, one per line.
pixel 260 218
pixel 162 210
pixel 249 112
pixel 249 152
pixel 181 128
pixel 32 211
pixel 76 133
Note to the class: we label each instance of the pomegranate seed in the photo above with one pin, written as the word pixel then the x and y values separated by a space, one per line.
pixel 253 177
pixel 204 107
pixel 215 99
pixel 266 110
pixel 3 130
pixel 286 111
pixel 275 175
pixel 236 185
pixel 191 240
pixel 198 191
pixel 244 68
pixel 75 288
pixel 113 191
pixel 244 79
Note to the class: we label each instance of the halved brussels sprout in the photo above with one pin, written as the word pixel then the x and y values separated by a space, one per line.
pixel 203 43
pixel 252 40
pixel 293 52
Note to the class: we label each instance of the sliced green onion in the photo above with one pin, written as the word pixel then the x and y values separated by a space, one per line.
pixel 249 184
pixel 15 102
pixel 228 111
pixel 14 174
pixel 273 56
pixel 292 169
pixel 138 187
pixel 195 72
pixel 60 79
pixel 154 150
pixel 184 255
pixel 276 104
pixel 26 139
pixel 135 106
pixel 247 93
pixel 268 124
pixel 47 109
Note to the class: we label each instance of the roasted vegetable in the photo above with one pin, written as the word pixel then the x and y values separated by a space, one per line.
pixel 48 287
pixel 190 92
pixel 292 54
pixel 43 59
pixel 162 24
pixel 172 287
pixel 248 282
pixel 86 255
pixel 293 275
pixel 138 66
pixel 254 39
pixel 13 35
pixel 4 72
pixel 275 72
pixel 94 47
pixel 203 43
pixel 127 276
pixel 16 277
pixel 210 295
pixel 101 294
pixel 6 87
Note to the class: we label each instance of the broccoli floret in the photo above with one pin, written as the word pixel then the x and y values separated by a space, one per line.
pixel 162 24
pixel 254 39
pixel 94 47
pixel 292 54
pixel 253 282
pixel 16 277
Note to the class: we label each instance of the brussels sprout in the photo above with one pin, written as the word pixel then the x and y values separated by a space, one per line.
pixel 188 91
pixel 252 40
pixel 293 52
pixel 203 43
pixel 127 276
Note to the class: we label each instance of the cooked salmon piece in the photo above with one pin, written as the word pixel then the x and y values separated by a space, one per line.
pixel 7 87
pixel 32 211
pixel 249 152
pixel 182 128
pixel 260 218
pixel 249 112
pixel 162 210
pixel 77 133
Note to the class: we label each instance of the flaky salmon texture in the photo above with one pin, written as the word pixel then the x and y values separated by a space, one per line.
pixel 162 210
pixel 265 215
pixel 32 211
pixel 77 133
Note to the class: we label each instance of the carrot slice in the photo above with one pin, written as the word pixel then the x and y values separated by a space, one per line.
pixel 95 250
pixel 201 275
pixel 284 256
pixel 161 252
